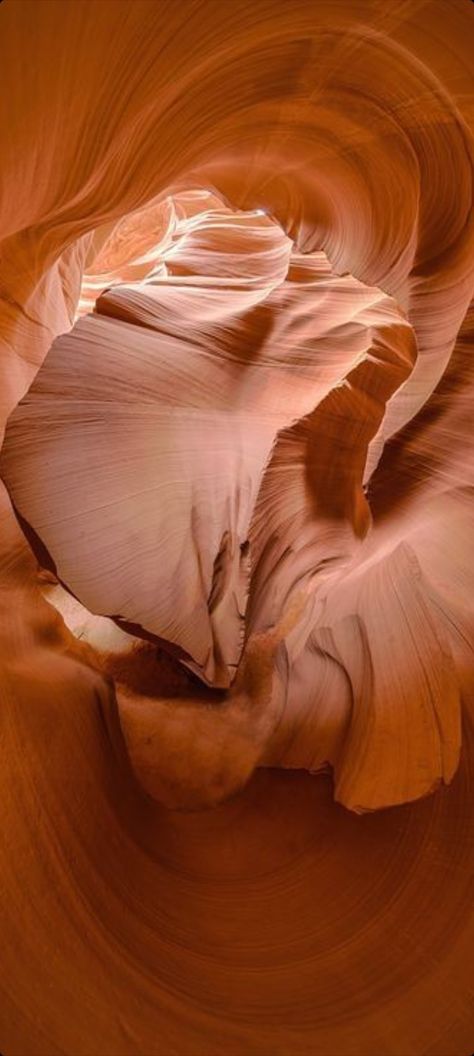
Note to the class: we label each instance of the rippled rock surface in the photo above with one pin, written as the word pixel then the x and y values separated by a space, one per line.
pixel 236 542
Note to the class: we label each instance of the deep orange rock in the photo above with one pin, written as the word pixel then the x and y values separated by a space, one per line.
pixel 236 584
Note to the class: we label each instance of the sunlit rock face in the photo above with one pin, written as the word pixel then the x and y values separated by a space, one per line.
pixel 236 547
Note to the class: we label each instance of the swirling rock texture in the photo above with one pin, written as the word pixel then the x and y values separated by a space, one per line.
pixel 237 258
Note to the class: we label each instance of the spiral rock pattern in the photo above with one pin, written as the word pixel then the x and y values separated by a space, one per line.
pixel 237 264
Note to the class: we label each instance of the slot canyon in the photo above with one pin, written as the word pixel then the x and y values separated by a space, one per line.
pixel 236 528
